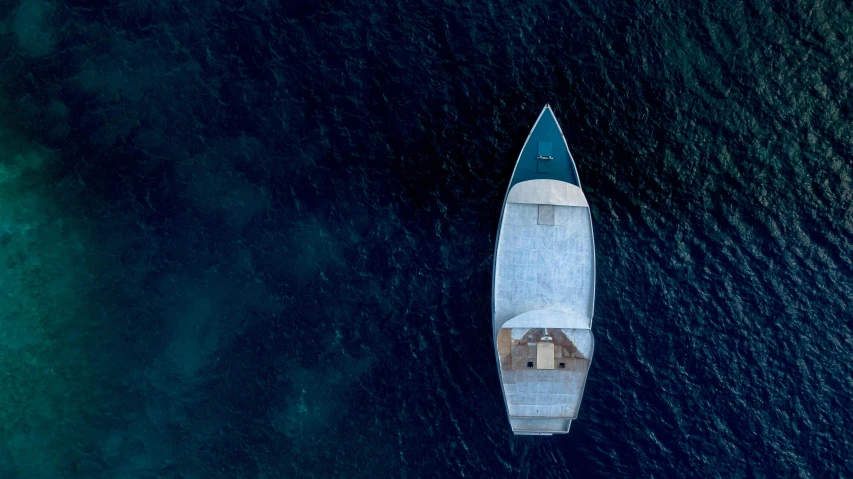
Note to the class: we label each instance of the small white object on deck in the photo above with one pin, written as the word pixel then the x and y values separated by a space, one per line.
pixel 544 355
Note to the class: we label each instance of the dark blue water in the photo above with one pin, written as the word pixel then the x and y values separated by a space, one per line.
pixel 255 239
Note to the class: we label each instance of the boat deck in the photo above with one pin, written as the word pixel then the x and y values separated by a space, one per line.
pixel 545 266
pixel 521 354
pixel 538 386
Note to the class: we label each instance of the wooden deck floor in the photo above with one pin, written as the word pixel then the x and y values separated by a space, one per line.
pixel 520 354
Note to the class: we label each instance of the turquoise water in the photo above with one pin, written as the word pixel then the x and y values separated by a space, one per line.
pixel 255 239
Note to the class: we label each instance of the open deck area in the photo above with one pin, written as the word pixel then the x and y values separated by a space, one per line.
pixel 544 370
pixel 545 261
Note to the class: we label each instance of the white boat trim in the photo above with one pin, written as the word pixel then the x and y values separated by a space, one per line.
pixel 547 192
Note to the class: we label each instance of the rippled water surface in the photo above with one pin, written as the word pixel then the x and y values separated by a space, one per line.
pixel 255 239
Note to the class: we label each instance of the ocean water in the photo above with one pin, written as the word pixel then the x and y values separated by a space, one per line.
pixel 255 239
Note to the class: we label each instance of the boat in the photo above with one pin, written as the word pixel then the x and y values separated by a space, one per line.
pixel 543 286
